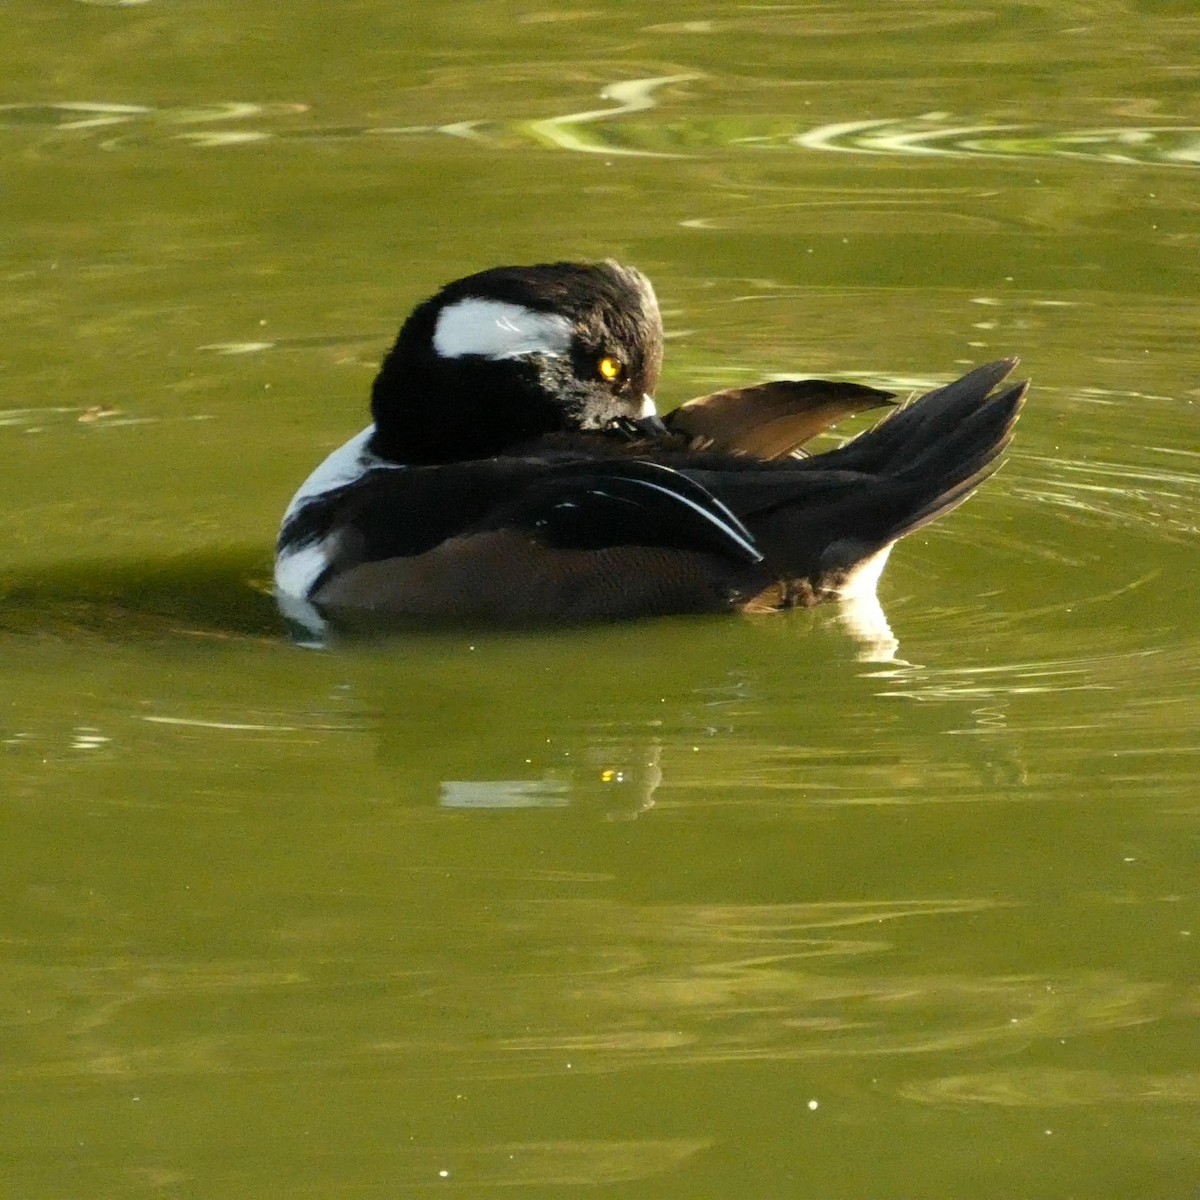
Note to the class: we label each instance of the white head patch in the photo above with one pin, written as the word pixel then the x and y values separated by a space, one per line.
pixel 496 329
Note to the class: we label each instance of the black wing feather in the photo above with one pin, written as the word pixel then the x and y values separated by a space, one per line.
pixel 398 513
pixel 627 503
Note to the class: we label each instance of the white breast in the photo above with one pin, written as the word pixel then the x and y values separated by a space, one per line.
pixel 297 568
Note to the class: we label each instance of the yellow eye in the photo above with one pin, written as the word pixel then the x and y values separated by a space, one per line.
pixel 611 368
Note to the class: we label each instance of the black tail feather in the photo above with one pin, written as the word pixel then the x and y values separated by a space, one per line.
pixel 820 517
pixel 951 466
pixel 913 429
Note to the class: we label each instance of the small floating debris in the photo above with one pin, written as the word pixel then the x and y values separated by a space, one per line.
pixel 97 412
pixel 237 347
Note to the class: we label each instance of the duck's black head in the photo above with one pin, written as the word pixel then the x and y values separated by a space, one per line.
pixel 513 353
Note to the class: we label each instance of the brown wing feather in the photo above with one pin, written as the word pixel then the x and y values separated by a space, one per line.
pixel 770 420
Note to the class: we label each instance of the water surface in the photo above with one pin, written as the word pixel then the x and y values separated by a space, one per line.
pixel 684 908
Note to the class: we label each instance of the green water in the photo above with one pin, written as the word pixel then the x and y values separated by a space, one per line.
pixel 694 908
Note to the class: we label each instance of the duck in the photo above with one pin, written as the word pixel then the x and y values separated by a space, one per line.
pixel 516 471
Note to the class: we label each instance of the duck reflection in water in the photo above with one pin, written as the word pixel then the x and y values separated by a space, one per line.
pixel 621 720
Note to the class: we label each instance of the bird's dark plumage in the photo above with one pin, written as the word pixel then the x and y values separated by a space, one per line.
pixel 516 471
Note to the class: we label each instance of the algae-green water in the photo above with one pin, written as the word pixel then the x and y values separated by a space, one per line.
pixel 693 908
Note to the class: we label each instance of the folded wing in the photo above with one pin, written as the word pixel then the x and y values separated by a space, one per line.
pixel 769 420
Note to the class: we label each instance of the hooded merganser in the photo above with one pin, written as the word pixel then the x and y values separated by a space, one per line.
pixel 516 471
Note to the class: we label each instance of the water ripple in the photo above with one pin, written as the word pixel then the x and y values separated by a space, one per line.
pixel 678 984
pixel 1049 1087
pixel 609 130
pixel 1161 499
pixel 938 133
pixel 634 95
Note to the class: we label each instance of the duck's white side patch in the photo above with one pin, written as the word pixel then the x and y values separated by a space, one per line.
pixel 298 568
pixel 346 464
pixel 648 408
pixel 496 329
